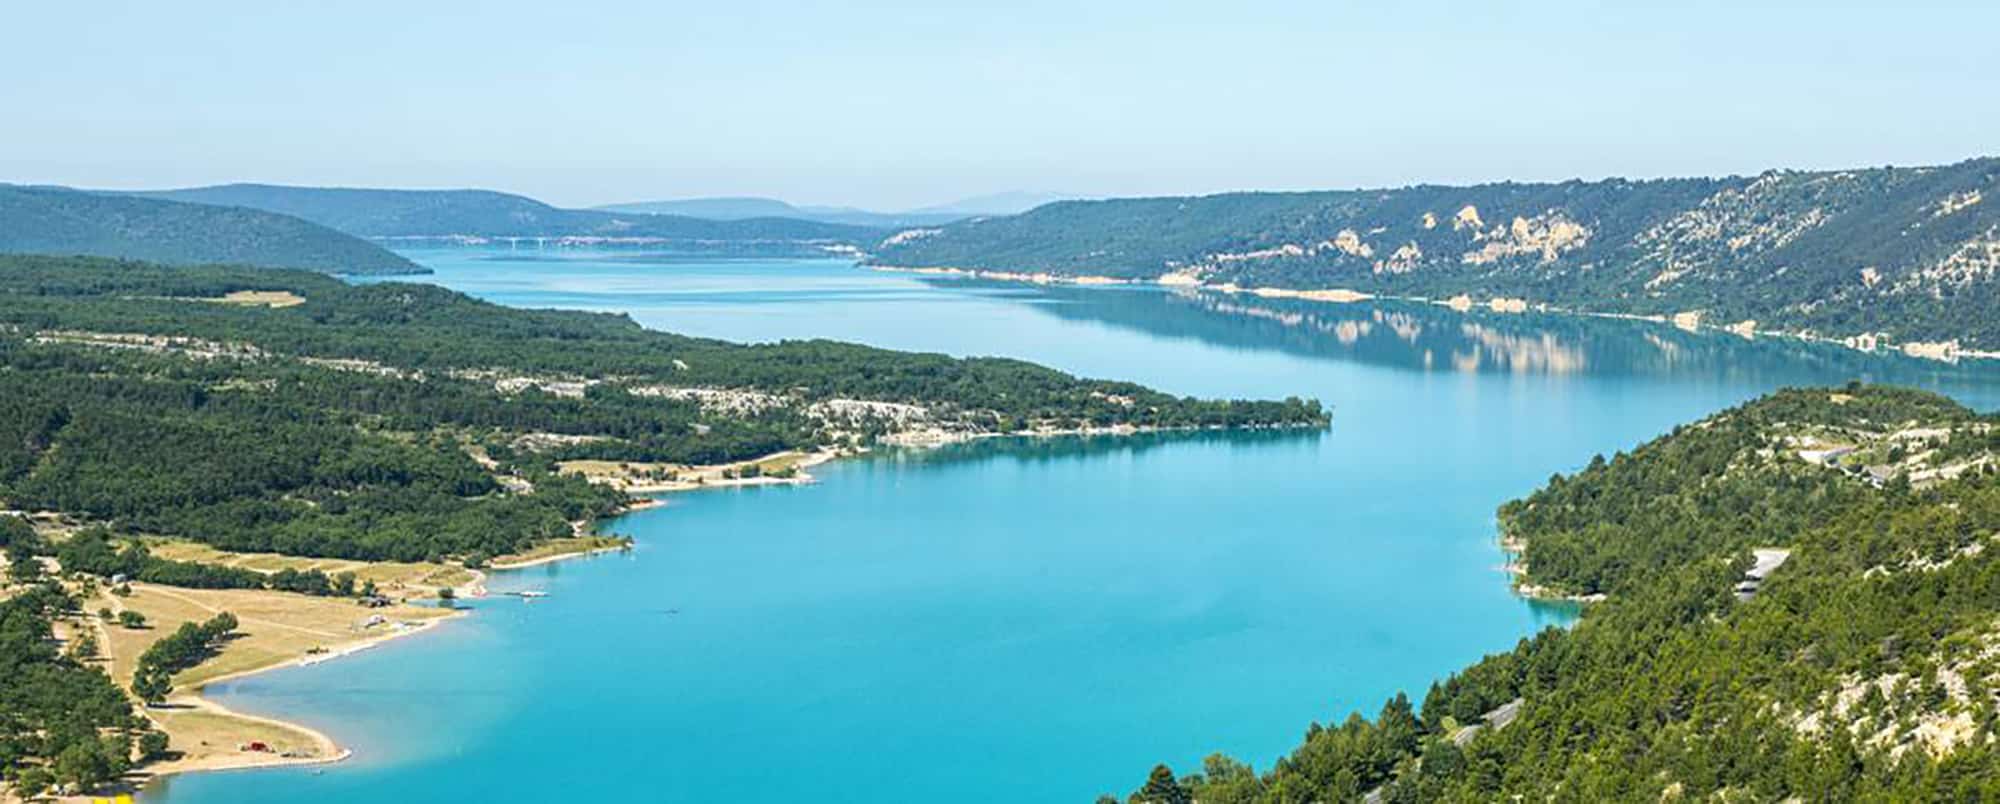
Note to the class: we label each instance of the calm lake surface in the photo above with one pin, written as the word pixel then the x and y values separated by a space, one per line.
pixel 1017 620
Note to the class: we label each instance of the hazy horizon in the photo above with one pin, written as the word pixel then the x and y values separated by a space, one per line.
pixel 893 106
pixel 941 203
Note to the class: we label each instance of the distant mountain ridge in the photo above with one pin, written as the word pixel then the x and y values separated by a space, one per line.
pixel 403 214
pixel 1012 202
pixel 720 208
pixel 60 221
pixel 1907 253
pixel 740 207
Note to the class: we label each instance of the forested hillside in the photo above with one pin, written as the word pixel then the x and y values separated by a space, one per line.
pixel 40 220
pixel 1802 603
pixel 55 709
pixel 351 422
pixel 1908 252
pixel 483 213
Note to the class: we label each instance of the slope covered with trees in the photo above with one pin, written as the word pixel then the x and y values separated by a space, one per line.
pixel 62 721
pixel 1864 667
pixel 484 213
pixel 1909 252
pixel 353 424
pixel 42 220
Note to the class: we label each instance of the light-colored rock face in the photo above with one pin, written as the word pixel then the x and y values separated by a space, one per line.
pixel 1664 278
pixel 1403 260
pixel 909 235
pixel 1736 222
pixel 1467 218
pixel 1546 236
pixel 573 389
pixel 1430 221
pixel 1275 252
pixel 1956 202
pixel 735 402
pixel 1901 721
pixel 1346 242
pixel 853 411
pixel 1975 260
pixel 1349 243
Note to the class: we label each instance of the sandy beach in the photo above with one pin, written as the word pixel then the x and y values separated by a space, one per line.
pixel 207 736
pixel 275 630
pixel 503 564
pixel 777 469
pixel 286 630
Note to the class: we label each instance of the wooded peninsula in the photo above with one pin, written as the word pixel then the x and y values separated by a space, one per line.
pixel 211 470
pixel 1792 600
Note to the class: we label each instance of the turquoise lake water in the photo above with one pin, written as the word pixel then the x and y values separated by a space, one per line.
pixel 1017 620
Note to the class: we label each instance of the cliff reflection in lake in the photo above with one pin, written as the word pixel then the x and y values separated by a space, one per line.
pixel 1431 337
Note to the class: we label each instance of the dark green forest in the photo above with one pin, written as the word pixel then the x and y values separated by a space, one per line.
pixel 67 716
pixel 222 429
pixel 1832 682
pixel 257 468
pixel 1674 499
pixel 426 328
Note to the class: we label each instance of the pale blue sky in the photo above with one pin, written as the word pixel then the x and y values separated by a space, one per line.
pixel 898 104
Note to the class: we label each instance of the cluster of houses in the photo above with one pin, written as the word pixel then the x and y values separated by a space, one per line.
pixel 1917 470
pixel 1877 475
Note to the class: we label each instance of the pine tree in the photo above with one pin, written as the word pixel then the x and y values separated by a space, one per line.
pixel 1162 788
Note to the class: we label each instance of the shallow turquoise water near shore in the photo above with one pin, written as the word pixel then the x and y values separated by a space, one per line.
pixel 1018 620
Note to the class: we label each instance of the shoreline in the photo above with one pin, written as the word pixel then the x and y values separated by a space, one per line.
pixel 800 478
pixel 1948 352
pixel 931 439
pixel 550 559
pixel 327 750
pixel 331 751
pixel 1513 548
pixel 925 438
